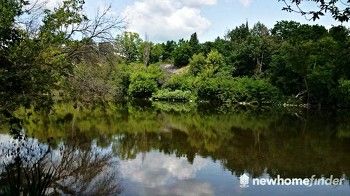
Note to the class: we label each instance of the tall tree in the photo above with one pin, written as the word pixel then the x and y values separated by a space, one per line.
pixel 157 53
pixel 194 43
pixel 239 33
pixel 129 46
pixel 169 47
pixel 182 53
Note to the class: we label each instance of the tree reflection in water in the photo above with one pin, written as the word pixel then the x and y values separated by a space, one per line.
pixel 32 168
pixel 286 143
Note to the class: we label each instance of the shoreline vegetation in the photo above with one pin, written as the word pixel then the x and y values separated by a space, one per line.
pixel 70 57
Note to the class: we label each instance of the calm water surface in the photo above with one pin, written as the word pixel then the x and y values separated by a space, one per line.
pixel 167 150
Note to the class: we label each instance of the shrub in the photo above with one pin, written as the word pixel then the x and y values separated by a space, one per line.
pixel 215 60
pixel 90 83
pixel 234 90
pixel 153 71
pixel 144 81
pixel 214 89
pixel 343 93
pixel 177 95
pixel 258 90
pixel 197 64
pixel 142 85
pixel 121 79
pixel 180 82
pixel 211 66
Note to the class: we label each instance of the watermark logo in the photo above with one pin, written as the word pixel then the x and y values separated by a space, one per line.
pixel 244 181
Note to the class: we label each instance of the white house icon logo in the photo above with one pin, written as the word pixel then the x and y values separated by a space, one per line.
pixel 244 181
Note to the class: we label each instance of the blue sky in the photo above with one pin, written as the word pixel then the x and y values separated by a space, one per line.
pixel 165 20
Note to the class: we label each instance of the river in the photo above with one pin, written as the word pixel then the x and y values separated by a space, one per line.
pixel 175 150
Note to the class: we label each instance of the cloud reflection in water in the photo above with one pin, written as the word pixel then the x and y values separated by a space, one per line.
pixel 159 174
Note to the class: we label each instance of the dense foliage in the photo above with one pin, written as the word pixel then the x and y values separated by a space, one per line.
pixel 145 81
pixel 71 57
pixel 177 95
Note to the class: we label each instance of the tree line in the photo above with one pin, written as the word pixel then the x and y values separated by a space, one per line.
pixel 62 55
pixel 293 62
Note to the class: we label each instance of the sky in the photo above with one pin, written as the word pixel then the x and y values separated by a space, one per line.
pixel 164 20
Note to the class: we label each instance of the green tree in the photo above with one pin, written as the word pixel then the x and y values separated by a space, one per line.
pixel 259 29
pixel 240 55
pixel 36 65
pixel 339 33
pixel 144 81
pixel 215 61
pixel 182 54
pixel 129 46
pixel 306 70
pixel 343 93
pixel 12 83
pixel 250 49
pixel 342 36
pixel 209 66
pixel 169 48
pixel 157 53
pixel 9 10
pixel 194 43
pixel 197 64
pixel 285 29
pixel 239 33
pixel 294 31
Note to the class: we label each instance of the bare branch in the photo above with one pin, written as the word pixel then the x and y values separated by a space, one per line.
pixel 338 9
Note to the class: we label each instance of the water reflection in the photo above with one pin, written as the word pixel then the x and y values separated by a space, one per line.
pixel 175 152
pixel 171 175
pixel 32 168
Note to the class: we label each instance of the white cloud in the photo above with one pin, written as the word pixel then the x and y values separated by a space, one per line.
pixel 167 19
pixel 170 169
pixel 155 173
pixel 245 3
pixel 197 3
